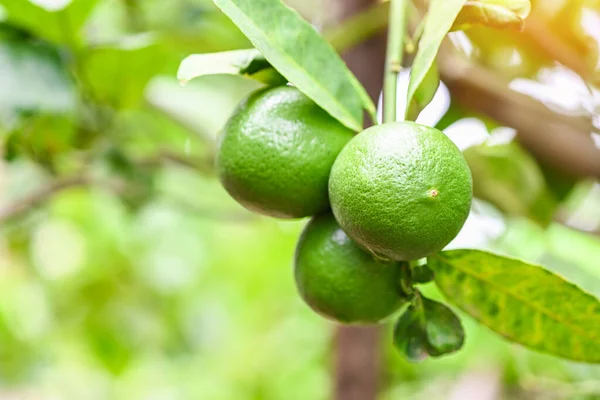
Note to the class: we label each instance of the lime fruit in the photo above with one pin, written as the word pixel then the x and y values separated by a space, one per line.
pixel 275 153
pixel 340 280
pixel 401 190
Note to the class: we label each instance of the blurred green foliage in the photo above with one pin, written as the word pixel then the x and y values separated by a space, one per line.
pixel 144 280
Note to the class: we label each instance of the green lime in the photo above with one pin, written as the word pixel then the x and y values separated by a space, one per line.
pixel 276 152
pixel 401 190
pixel 340 280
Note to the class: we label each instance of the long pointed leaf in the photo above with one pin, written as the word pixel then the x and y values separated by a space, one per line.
pixel 301 55
pixel 439 20
pixel 522 302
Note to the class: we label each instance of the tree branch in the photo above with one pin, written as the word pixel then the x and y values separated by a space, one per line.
pixel 555 47
pixel 561 141
pixel 357 350
pixel 555 139
pixel 41 195
pixel 355 29
pixel 44 193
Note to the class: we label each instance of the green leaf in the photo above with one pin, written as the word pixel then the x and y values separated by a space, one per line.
pixel 122 87
pixel 510 178
pixel 248 63
pixel 42 137
pixel 421 274
pixel 34 77
pixel 504 14
pixel 558 183
pixel 439 20
pixel 424 93
pixel 522 302
pixel 56 24
pixel 366 99
pixel 301 55
pixel 428 328
pixel 454 114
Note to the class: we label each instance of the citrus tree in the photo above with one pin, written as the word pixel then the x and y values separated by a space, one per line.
pixel 114 233
pixel 401 191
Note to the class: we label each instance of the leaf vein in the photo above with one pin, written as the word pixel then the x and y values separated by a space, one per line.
pixel 265 37
pixel 540 309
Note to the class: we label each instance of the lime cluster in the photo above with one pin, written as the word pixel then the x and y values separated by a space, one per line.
pixel 393 193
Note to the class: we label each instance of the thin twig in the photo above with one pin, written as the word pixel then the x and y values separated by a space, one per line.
pixel 203 165
pixel 40 196
pixel 44 193
pixel 394 54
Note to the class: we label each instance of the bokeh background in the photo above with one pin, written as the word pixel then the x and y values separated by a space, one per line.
pixel 126 272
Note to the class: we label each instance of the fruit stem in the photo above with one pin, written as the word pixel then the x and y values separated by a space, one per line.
pixel 393 61
pixel 406 285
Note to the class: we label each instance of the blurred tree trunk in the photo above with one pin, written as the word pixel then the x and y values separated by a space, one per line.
pixel 357 350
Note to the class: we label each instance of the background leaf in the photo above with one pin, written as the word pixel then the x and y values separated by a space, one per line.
pixel 439 20
pixel 509 178
pixel 300 54
pixel 522 302
pixel 115 85
pixel 60 26
pixel 34 77
pixel 505 14
pixel 559 183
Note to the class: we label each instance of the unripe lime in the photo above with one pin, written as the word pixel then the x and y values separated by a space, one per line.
pixel 340 280
pixel 401 190
pixel 276 152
